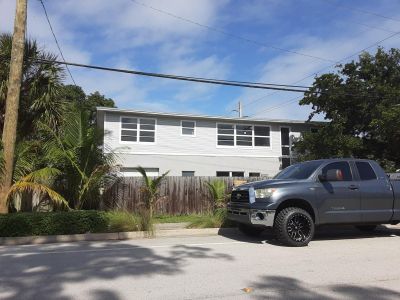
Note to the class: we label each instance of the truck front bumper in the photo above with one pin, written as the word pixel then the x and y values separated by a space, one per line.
pixel 252 216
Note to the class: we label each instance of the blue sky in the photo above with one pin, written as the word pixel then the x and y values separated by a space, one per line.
pixel 124 34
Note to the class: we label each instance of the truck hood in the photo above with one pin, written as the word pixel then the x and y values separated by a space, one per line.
pixel 265 183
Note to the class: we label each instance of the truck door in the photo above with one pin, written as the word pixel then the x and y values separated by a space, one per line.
pixel 376 194
pixel 339 200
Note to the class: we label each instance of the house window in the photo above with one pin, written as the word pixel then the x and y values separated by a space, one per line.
pixel 254 174
pixel 285 147
pixel 138 130
pixel 237 174
pixel 243 135
pixel 223 174
pixel 133 172
pixel 226 135
pixel 188 128
pixel 129 129
pixel 262 136
pixel 187 173
pixel 230 174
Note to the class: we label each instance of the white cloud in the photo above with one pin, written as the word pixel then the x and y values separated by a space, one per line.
pixel 290 68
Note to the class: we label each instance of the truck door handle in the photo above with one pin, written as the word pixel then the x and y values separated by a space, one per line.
pixel 353 187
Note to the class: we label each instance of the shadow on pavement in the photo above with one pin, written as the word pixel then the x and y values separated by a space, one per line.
pixel 280 287
pixel 41 272
pixel 334 232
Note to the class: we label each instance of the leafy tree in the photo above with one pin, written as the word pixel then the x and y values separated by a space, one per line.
pixel 76 96
pixel 94 100
pixel 361 101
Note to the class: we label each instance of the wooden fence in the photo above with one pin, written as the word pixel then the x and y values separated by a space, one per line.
pixel 178 195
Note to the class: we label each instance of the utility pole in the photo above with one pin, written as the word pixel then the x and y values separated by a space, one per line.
pixel 239 110
pixel 12 102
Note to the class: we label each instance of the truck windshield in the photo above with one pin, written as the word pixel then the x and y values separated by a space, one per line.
pixel 299 171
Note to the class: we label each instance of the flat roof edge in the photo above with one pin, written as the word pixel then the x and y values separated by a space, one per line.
pixel 199 116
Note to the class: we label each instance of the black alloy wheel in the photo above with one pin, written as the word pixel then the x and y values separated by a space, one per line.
pixel 294 227
pixel 299 227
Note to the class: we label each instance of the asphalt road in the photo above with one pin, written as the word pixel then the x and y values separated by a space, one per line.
pixel 340 263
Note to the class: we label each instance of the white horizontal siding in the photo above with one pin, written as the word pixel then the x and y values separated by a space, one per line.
pixel 201 165
pixel 170 141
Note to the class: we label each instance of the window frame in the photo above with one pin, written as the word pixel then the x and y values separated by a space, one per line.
pixel 194 128
pixel 253 146
pixel 138 130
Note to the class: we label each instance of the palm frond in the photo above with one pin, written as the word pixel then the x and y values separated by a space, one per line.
pixel 24 186
pixel 157 181
pixel 44 175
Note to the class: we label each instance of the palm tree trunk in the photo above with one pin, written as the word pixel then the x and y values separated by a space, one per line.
pixel 12 103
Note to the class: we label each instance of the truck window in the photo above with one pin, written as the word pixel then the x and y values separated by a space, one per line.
pixel 299 171
pixel 343 166
pixel 365 170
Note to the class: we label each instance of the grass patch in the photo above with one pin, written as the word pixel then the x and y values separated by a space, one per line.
pixel 198 221
pixel 211 221
pixel 177 219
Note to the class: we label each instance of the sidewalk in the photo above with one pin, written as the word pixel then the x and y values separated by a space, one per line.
pixel 161 230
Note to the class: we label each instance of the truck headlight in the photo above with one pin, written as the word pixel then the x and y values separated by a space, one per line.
pixel 264 193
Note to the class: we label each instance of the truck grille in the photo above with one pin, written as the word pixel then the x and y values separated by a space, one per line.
pixel 240 196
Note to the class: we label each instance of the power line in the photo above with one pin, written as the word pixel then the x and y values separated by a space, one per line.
pixel 327 67
pixel 267 86
pixel 177 77
pixel 55 39
pixel 271 108
pixel 362 11
pixel 221 31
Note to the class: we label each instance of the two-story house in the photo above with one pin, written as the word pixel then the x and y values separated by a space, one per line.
pixel 197 145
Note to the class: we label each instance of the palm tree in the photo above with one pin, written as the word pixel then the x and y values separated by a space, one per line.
pixel 217 189
pixel 150 189
pixel 40 88
pixel 29 180
pixel 76 150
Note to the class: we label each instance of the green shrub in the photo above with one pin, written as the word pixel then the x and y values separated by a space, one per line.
pixel 72 222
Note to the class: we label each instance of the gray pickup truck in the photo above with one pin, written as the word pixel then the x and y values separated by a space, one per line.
pixel 319 192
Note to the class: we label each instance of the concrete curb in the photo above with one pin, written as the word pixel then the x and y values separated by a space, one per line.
pixel 131 235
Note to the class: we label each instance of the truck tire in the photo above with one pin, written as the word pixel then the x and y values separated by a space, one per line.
pixel 294 227
pixel 250 230
pixel 366 228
